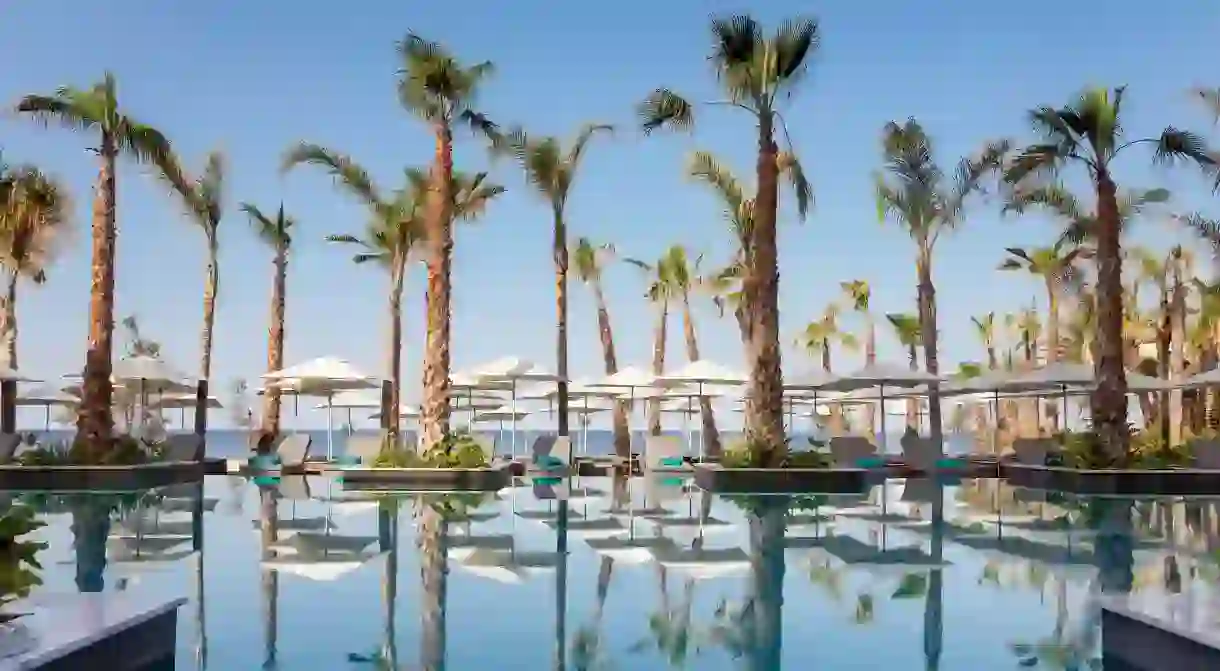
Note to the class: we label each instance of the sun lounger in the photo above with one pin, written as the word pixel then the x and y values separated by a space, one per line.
pixel 292 452
pixel 551 454
pixel 1033 451
pixel 855 452
pixel 9 442
pixel 663 453
pixel 1206 452
pixel 184 447
pixel 361 450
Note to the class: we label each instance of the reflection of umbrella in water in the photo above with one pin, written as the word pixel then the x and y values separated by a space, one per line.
pixel 322 557
pixel 507 567
pixel 701 564
pixel 296 488
pixel 461 547
pixel 152 549
pixel 857 553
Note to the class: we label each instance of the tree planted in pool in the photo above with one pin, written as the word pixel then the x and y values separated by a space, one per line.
pixel 455 449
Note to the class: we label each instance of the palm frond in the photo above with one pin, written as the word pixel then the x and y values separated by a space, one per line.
pixel 664 108
pixel 347 174
pixel 790 166
pixel 1175 145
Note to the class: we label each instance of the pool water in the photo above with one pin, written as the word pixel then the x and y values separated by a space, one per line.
pixel 599 574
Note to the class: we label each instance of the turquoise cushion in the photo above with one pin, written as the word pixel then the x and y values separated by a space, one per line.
pixel 672 482
pixel 673 462
pixel 950 462
pixel 348 460
pixel 548 481
pixel 266 481
pixel 870 462
pixel 264 462
pixel 549 462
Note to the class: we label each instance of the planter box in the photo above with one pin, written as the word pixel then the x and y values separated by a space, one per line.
pixel 1142 638
pixel 715 478
pixel 492 478
pixel 99 478
pixel 1176 482
pixel 114 631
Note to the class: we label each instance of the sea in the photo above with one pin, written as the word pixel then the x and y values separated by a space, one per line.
pixel 227 443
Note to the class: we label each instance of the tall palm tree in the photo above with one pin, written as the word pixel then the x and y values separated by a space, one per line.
pixel 984 326
pixel 203 198
pixel 587 261
pixel 1089 134
pixel 659 293
pixel 686 278
pixel 275 232
pixel 394 229
pixel 1056 267
pixel 858 293
pixel 443 93
pixel 33 221
pixel 756 73
pixel 552 171
pixel 908 332
pixel 914 191
pixel 97 110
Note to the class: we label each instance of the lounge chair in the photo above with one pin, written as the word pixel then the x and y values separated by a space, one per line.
pixel 292 452
pixel 184 447
pixel 663 453
pixel 1206 453
pixel 551 453
pixel 9 442
pixel 855 452
pixel 1033 451
pixel 922 454
pixel 361 450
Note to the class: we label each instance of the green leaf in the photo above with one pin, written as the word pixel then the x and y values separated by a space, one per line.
pixel 912 586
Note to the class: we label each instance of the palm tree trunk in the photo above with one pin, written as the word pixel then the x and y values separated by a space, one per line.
pixel 622 433
pixel 658 364
pixel 870 358
pixel 269 531
pixel 434 420
pixel 210 287
pixel 711 437
pixel 94 422
pixel 1052 344
pixel 433 571
pixel 559 250
pixel 764 400
pixel 927 324
pixel 912 418
pixel 275 340
pixel 395 372
pixel 1109 401
pixel 1177 353
pixel 8 388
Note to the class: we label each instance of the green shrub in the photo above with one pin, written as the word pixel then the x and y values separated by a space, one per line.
pixel 455 450
pixel 1147 450
pixel 18 558
pixel 747 454
pixel 807 459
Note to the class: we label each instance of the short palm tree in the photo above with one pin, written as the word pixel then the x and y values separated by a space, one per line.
pixel 552 170
pixel 908 334
pixel 1055 266
pixel 686 278
pixel 276 232
pixel 394 230
pixel 1089 134
pixel 757 74
pixel 914 192
pixel 984 327
pixel 659 293
pixel 820 336
pixel 437 88
pixel 97 110
pixel 588 259
pixel 858 294
pixel 202 198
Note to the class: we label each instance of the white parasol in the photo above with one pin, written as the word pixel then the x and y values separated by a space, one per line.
pixel 45 397
pixel 512 370
pixel 882 375
pixel 324 376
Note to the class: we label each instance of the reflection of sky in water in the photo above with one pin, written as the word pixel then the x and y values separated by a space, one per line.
pixel 855 591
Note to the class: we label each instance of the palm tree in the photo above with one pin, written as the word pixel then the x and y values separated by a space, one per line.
pixel 34 218
pixel 275 232
pixel 756 73
pixel 435 87
pixel 686 278
pixel 552 171
pixel 984 326
pixel 908 332
pixel 1056 267
pixel 97 110
pixel 202 198
pixel 660 290
pixel 1089 133
pixel 915 193
pixel 587 260
pixel 820 336
pixel 859 293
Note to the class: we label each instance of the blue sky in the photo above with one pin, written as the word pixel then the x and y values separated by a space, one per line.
pixel 253 78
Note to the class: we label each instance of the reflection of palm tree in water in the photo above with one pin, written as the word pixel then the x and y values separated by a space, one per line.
pixel 434 569
pixel 90 528
pixel 387 538
pixel 268 531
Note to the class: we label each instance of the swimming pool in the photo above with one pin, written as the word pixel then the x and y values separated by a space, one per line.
pixel 644 574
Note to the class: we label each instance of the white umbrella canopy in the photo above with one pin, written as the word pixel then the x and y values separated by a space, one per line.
pixel 631 377
pixel 353 399
pixel 465 382
pixel 815 379
pixel 879 375
pixel 507 369
pixel 150 374
pixel 704 371
pixel 324 376
pixel 1209 378
pixel 499 414
pixel 45 396
pixel 576 389
pixel 181 400
pixel 404 411
pixel 1055 377
pixel 9 375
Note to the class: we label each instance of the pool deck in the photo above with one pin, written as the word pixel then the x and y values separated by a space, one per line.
pixel 1166 632
pixel 125 631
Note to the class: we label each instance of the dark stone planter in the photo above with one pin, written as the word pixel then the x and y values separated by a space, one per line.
pixel 1178 482
pixel 428 479
pixel 1135 640
pixel 126 636
pixel 715 478
pixel 99 478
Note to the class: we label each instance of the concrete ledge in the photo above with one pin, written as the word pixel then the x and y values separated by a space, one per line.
pixel 99 478
pixel 1184 481
pixel 1139 639
pixel 715 478
pixel 493 478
